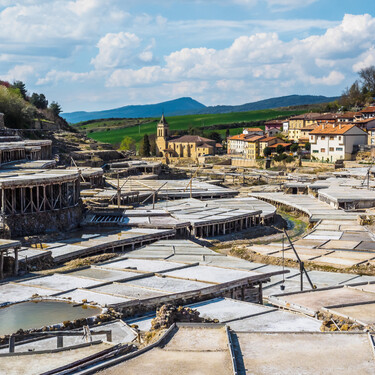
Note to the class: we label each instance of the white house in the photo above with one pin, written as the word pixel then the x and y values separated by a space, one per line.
pixel 336 141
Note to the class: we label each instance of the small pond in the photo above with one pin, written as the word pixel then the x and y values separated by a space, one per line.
pixel 37 314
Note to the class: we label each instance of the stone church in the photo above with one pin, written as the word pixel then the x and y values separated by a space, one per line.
pixel 188 146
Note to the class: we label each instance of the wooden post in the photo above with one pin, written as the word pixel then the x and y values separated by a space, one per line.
pixel 60 341
pixel 12 343
pixel 1 265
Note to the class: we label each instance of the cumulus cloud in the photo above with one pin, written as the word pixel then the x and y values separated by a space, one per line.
pixel 115 50
pixel 18 72
pixel 319 60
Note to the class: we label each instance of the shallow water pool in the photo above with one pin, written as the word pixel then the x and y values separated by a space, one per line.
pixel 37 314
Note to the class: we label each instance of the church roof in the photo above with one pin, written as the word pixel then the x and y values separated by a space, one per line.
pixel 191 139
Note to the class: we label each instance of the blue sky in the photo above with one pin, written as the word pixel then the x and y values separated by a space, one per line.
pixel 101 54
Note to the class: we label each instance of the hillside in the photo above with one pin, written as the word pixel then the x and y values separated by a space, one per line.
pixel 113 131
pixel 283 101
pixel 189 106
pixel 173 107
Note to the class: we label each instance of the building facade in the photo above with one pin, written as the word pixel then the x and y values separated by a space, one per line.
pixel 187 146
pixel 336 141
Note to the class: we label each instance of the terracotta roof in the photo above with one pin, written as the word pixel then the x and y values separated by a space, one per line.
pixel 254 129
pixel 309 127
pixel 267 139
pixel 364 120
pixel 191 139
pixel 239 137
pixel 306 116
pixel 349 114
pixel 332 129
pixel 282 144
pixel 254 138
pixel 368 110
pixel 218 145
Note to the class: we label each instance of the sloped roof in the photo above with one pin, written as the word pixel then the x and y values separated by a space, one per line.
pixel 333 129
pixel 254 129
pixel 267 139
pixel 368 110
pixel 191 139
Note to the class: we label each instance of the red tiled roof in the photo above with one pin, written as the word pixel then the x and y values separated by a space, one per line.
pixel 239 137
pixel 306 116
pixel 254 138
pixel 282 144
pixel 267 139
pixel 368 110
pixel 332 129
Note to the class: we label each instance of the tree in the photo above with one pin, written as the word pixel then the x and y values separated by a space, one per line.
pixel 145 147
pixel 39 100
pixel 227 133
pixel 367 76
pixel 128 144
pixel 280 149
pixel 55 108
pixel 21 87
pixel 294 147
pixel 215 136
pixel 153 146
pixel 267 152
pixel 308 146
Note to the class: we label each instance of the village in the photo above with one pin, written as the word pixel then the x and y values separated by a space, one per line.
pixel 193 258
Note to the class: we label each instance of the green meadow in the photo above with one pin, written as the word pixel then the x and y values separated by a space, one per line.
pixel 116 130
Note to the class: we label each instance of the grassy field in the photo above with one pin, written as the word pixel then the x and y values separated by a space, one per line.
pixel 118 129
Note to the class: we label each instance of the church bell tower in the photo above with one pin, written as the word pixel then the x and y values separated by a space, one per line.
pixel 162 134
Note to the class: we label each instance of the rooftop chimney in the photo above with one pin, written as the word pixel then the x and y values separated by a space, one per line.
pixel 323 126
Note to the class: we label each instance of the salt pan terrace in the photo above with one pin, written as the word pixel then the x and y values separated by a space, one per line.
pixel 174 189
pixel 190 252
pixel 192 216
pixel 214 349
pixel 314 208
pixel 80 244
pixel 355 301
pixel 139 285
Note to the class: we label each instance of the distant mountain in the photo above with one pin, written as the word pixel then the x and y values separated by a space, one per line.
pixel 283 101
pixel 189 106
pixel 179 106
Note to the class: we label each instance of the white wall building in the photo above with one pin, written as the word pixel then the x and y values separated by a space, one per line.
pixel 336 141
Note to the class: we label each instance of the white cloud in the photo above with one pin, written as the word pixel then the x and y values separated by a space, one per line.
pixel 332 79
pixel 319 60
pixel 18 73
pixel 284 5
pixel 365 60
pixel 54 76
pixel 115 50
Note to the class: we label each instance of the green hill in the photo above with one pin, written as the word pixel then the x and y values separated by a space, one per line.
pixel 114 130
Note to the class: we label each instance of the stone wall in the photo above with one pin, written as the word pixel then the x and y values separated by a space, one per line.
pixel 39 223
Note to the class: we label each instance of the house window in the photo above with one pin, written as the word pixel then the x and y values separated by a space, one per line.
pixel 322 150
pixel 338 148
pixel 315 151
pixel 331 138
pixel 323 137
pixel 340 138
pixel 312 137
pixel 331 149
